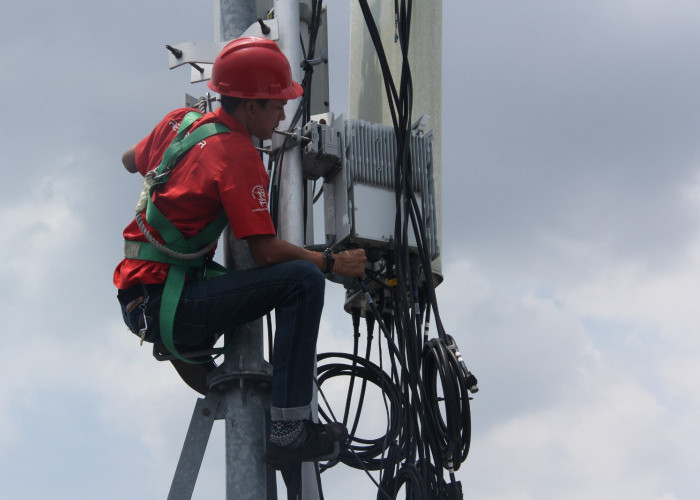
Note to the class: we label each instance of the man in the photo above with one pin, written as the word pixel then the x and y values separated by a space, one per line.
pixel 223 174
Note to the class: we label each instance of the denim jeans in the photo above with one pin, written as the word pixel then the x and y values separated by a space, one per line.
pixel 208 308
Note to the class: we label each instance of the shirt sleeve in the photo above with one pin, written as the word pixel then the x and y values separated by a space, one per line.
pixel 149 151
pixel 242 185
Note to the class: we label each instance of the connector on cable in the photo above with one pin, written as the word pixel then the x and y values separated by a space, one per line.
pixel 470 380
pixel 454 491
pixel 469 377
pixel 369 321
pixel 356 321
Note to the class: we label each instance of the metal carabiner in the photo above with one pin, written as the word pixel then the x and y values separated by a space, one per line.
pixel 144 328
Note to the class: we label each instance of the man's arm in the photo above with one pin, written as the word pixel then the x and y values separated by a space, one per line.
pixel 268 250
pixel 129 160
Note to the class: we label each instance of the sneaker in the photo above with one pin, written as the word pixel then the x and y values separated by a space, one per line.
pixel 321 442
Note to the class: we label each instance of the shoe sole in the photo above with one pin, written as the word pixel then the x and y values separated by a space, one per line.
pixel 294 461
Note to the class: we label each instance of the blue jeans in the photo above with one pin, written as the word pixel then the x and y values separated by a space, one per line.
pixel 208 308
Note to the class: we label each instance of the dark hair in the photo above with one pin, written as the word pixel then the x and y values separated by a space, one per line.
pixel 231 103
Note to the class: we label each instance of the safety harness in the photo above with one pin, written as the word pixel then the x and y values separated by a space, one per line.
pixel 188 258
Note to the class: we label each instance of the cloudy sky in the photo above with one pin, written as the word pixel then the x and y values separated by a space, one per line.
pixel 571 198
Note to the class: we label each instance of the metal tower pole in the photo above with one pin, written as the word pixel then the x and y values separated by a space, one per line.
pixel 291 198
pixel 291 211
pixel 232 18
pixel 246 395
pixel 240 388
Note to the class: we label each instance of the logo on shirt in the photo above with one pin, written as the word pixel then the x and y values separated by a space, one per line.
pixel 260 195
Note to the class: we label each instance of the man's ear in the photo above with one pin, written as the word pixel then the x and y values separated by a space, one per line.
pixel 251 107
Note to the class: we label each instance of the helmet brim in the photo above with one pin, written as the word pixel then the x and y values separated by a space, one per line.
pixel 292 92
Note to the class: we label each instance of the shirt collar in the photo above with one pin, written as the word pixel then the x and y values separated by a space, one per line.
pixel 221 116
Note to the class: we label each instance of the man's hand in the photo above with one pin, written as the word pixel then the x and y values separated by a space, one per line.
pixel 350 263
pixel 267 249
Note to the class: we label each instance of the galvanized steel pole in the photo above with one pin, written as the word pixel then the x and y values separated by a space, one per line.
pixel 291 188
pixel 243 442
pixel 291 210
pixel 246 396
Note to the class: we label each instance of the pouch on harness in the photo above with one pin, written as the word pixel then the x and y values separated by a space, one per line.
pixel 188 258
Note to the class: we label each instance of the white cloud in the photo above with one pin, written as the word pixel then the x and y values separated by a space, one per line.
pixel 664 300
pixel 43 226
pixel 602 441
pixel 587 382
pixel 570 135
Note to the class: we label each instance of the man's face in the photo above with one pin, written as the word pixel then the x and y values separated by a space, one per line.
pixel 265 119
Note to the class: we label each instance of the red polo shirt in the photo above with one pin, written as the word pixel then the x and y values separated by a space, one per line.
pixel 222 173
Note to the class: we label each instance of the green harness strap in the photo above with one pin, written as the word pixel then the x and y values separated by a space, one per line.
pixel 187 258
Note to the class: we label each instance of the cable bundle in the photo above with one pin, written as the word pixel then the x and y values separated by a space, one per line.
pixel 425 391
pixel 425 388
pixel 302 113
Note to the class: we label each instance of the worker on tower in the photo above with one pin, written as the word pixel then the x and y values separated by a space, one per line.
pixel 202 172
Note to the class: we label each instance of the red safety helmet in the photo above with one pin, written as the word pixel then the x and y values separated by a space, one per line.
pixel 253 68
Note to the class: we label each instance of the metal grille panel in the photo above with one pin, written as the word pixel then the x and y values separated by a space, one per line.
pixel 370 158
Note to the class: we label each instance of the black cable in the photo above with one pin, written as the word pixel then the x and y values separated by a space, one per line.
pixel 449 437
pixel 356 329
pixel 425 387
pixel 429 426
pixel 367 450
pixel 368 350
